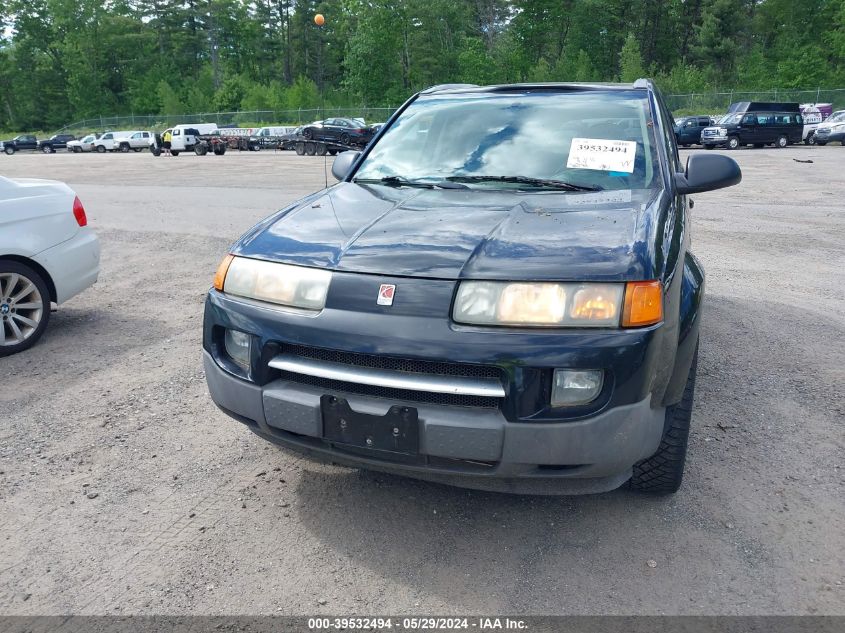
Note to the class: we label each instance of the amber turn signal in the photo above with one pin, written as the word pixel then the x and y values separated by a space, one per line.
pixel 643 303
pixel 222 269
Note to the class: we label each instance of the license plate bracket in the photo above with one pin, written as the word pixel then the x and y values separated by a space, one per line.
pixel 397 431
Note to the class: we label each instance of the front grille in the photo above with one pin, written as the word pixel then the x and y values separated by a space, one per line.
pixel 405 365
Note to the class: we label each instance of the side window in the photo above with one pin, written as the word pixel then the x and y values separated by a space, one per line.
pixel 145 135
pixel 668 133
pixel 177 132
pixel 107 137
pixel 749 119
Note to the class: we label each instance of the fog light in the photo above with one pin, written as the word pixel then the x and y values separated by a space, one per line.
pixel 238 347
pixel 573 387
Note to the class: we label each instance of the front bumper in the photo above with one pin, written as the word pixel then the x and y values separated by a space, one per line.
pixel 518 445
pixel 714 141
pixel 459 446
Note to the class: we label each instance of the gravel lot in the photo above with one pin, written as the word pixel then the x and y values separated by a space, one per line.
pixel 123 490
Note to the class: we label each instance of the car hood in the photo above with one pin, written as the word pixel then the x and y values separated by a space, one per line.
pixel 465 233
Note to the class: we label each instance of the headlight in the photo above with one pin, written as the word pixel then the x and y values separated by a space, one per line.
pixel 283 284
pixel 723 131
pixel 539 304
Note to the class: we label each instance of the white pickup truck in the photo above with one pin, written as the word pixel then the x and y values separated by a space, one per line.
pixel 123 141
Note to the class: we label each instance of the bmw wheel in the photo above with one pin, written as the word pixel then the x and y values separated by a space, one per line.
pixel 24 307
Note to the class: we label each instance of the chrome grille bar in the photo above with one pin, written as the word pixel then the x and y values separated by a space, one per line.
pixel 458 385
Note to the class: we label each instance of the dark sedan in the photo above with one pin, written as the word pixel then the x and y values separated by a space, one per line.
pixel 347 132
pixel 499 293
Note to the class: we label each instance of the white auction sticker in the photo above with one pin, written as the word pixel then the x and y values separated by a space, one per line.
pixel 602 154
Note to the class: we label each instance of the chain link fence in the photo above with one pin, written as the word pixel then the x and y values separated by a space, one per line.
pixel 255 118
pixel 680 104
pixel 718 102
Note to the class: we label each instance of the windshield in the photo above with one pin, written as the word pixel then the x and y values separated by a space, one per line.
pixel 599 139
pixel 836 118
pixel 730 119
pixel 88 139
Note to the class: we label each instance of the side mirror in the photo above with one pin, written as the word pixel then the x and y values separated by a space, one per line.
pixel 706 172
pixel 343 164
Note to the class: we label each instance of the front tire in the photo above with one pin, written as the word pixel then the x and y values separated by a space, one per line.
pixel 175 153
pixel 24 307
pixel 46 149
pixel 101 149
pixel 663 472
pixel 9 150
pixel 733 143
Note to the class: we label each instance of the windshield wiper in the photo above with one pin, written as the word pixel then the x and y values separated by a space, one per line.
pixel 399 181
pixel 526 180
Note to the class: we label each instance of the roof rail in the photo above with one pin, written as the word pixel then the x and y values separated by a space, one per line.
pixel 440 87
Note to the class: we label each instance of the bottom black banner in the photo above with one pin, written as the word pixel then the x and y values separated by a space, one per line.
pixel 391 624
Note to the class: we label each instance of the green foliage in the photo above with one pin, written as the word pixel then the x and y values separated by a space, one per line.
pixel 302 94
pixel 64 60
pixel 630 60
pixel 169 101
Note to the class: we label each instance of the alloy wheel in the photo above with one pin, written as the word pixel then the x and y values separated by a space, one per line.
pixel 21 308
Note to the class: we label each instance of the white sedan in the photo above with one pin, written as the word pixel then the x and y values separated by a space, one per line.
pixel 85 144
pixel 48 254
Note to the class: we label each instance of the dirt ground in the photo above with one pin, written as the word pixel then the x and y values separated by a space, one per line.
pixel 123 490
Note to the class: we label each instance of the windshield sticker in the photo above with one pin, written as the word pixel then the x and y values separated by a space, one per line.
pixel 602 155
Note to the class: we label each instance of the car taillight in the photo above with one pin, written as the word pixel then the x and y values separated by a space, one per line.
pixel 79 212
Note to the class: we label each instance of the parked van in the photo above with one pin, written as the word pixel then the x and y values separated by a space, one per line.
pixel 758 124
pixel 184 137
